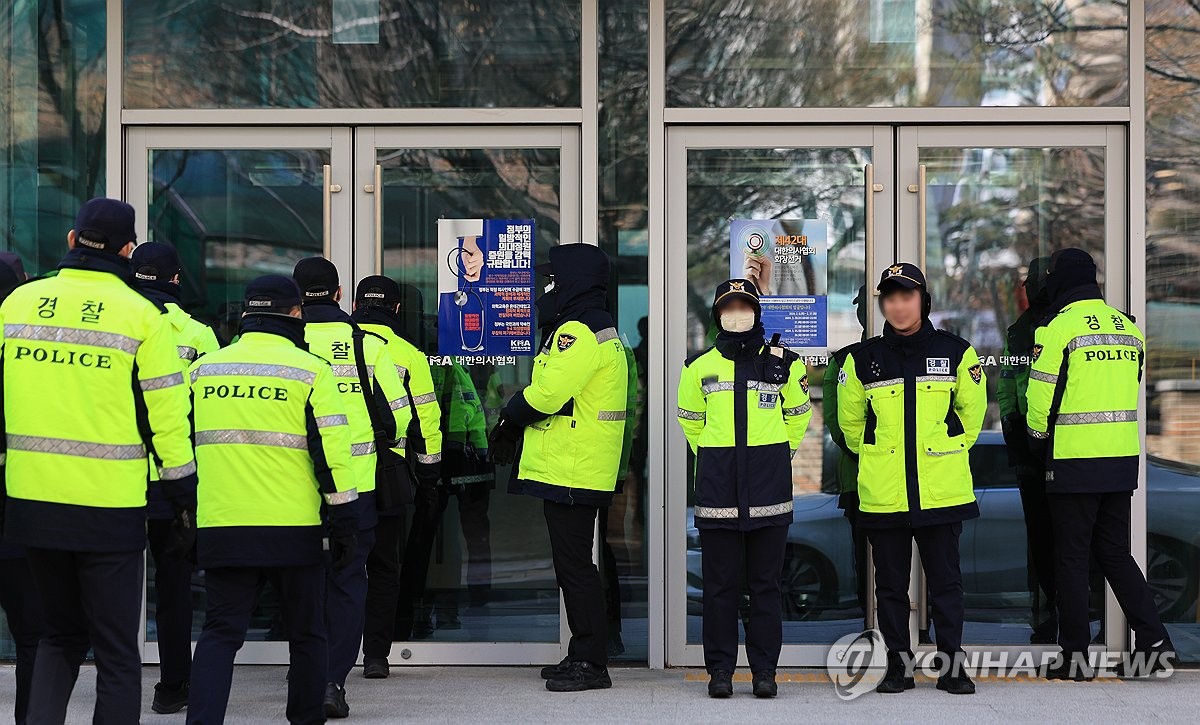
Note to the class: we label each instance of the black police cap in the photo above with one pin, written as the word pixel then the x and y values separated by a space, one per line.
pixel 105 225
pixel 736 289
pixel 317 278
pixel 273 293
pixel 377 291
pixel 155 261
pixel 902 274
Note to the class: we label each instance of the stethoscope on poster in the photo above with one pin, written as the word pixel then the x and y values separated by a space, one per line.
pixel 468 272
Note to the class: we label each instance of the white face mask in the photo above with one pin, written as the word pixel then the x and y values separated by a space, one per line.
pixel 549 287
pixel 742 321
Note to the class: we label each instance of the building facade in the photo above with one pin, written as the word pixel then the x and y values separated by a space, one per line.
pixel 971 137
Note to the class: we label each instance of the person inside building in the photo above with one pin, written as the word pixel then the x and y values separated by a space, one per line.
pixel 911 404
pixel 156 269
pixel 570 420
pixel 744 407
pixel 1084 383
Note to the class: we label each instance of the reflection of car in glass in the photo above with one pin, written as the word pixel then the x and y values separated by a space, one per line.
pixel 819 570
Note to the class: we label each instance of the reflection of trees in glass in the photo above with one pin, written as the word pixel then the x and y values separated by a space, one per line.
pixel 824 183
pixel 784 53
pixel 51 121
pixel 282 53
pixel 992 210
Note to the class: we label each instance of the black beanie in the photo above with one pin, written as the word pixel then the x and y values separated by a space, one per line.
pixel 1069 268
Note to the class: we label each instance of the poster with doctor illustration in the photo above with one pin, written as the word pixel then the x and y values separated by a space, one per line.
pixel 485 286
pixel 788 260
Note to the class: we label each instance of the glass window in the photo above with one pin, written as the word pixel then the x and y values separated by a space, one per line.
pixel 1172 323
pixel 352 54
pixel 834 53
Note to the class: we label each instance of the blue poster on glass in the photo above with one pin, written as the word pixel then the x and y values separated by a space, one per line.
pixel 485 287
pixel 788 260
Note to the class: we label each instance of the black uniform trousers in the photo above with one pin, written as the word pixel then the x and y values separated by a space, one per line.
pixel 232 593
pixel 172 605
pixel 23 610
pixel 346 609
pixel 383 586
pixel 891 550
pixel 1097 524
pixel 91 599
pixel 1039 538
pixel 572 529
pixel 730 556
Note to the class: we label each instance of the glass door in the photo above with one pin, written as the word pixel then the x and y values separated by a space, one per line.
pixel 238 203
pixel 978 205
pixel 737 199
pixel 477 581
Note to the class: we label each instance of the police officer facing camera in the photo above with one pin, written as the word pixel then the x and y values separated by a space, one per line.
pixel 1082 400
pixel 744 407
pixel 911 405
pixel 571 419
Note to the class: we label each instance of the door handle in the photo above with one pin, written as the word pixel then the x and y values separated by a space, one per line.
pixel 378 219
pixel 326 210
pixel 921 186
pixel 870 188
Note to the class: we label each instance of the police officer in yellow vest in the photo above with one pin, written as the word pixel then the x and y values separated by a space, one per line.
pixel 911 405
pixel 329 332
pixel 376 307
pixel 1082 402
pixel 92 384
pixel 572 416
pixel 273 447
pixel 156 268
pixel 744 407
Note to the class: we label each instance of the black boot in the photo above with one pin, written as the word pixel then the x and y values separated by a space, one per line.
pixel 895 678
pixel 168 700
pixel 764 684
pixel 376 668
pixel 580 676
pixel 720 684
pixel 549 672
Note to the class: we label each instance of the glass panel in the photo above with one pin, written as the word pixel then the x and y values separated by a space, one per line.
pixel 989 212
pixel 233 215
pixel 1172 322
pixel 822 595
pixel 624 197
pixel 838 54
pixel 352 54
pixel 52 151
pixel 489 576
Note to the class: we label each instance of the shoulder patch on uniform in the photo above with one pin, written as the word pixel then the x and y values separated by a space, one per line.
pixel 565 341
pixel 804 383
pixel 976 371
pixel 1037 352
pixel 842 376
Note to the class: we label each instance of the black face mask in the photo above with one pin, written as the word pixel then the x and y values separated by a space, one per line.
pixel 547 308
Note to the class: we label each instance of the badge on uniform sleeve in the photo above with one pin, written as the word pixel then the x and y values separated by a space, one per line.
pixel 565 341
pixel 1037 351
pixel 976 371
pixel 804 384
pixel 842 377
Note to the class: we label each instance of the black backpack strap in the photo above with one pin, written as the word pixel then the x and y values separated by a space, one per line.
pixel 368 390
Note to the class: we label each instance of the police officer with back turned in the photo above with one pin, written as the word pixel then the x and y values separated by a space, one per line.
pixel 92 384
pixel 273 446
pixel 1084 381
pixel 156 268
pixel 571 418
pixel 911 405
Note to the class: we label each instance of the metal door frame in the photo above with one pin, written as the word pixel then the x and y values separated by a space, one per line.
pixel 880 207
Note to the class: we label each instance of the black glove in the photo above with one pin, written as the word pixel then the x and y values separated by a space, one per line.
pixel 341 549
pixel 1037 446
pixel 428 474
pixel 502 442
pixel 181 493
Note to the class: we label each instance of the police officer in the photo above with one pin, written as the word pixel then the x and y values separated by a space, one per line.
pixel 1082 417
pixel 1030 469
pixel 18 594
pixel 743 405
pixel 376 309
pixel 911 405
pixel 273 446
pixel 156 268
pixel 76 480
pixel 572 414
pixel 329 332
